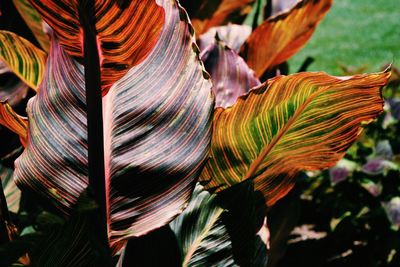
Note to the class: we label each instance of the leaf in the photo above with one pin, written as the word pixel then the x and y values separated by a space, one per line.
pixel 279 6
pixel 11 191
pixel 23 58
pixel 232 34
pixel 301 122
pixel 282 36
pixel 230 74
pixel 203 238
pixel 211 13
pixel 12 88
pixel 34 22
pixel 126 31
pixel 157 132
pixel 16 123
pixel 244 219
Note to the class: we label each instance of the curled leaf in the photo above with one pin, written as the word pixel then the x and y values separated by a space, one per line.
pixel 230 74
pixel 280 37
pixel 232 35
pixel 12 89
pixel 294 123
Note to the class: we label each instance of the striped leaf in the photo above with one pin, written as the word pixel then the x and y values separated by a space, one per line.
pixel 157 125
pixel 280 37
pixel 304 121
pixel 203 238
pixel 126 31
pixel 23 58
pixel 205 14
pixel 11 191
pixel 34 22
pixel 230 74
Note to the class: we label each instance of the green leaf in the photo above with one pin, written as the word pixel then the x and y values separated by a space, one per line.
pixel 23 58
pixel 203 238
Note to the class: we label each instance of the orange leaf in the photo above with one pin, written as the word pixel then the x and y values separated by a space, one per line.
pixel 301 122
pixel 280 37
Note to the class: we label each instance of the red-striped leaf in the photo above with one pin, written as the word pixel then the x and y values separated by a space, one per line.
pixel 156 122
pixel 280 37
pixel 126 32
pixel 301 122
pixel 205 14
pixel 230 74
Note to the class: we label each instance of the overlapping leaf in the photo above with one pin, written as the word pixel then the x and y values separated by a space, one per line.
pixel 126 32
pixel 201 234
pixel 211 13
pixel 233 35
pixel 12 88
pixel 304 121
pixel 157 117
pixel 23 58
pixel 279 6
pixel 280 37
pixel 16 123
pixel 11 191
pixel 34 22
pixel 230 74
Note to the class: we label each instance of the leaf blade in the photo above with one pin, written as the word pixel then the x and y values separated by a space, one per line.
pixel 157 133
pixel 281 128
pixel 23 58
pixel 280 37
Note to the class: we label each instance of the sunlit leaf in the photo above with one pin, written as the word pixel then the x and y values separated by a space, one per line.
pixel 280 37
pixel 34 22
pixel 304 121
pixel 157 121
pixel 199 230
pixel 211 13
pixel 233 35
pixel 230 74
pixel 278 6
pixel 126 31
pixel 23 58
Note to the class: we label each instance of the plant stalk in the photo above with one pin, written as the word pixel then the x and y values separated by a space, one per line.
pixel 94 122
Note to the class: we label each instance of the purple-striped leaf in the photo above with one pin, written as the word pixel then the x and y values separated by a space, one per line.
pixel 232 34
pixel 229 72
pixel 157 121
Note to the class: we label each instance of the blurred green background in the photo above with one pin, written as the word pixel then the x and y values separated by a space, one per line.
pixel 354 33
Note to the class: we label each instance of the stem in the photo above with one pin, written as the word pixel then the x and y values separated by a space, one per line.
pixel 94 121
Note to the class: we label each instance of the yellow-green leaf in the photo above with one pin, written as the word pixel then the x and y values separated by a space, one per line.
pixel 23 58
pixel 300 122
pixel 34 22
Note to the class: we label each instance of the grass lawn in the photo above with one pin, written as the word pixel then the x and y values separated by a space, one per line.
pixel 355 33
